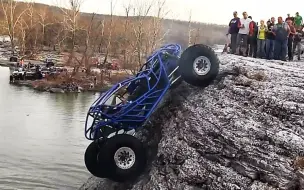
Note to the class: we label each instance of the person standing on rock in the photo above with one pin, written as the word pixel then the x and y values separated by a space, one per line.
pixel 233 31
pixel 252 39
pixel 270 38
pixel 290 39
pixel 281 31
pixel 297 43
pixel 243 34
pixel 298 20
pixel 289 18
pixel 261 36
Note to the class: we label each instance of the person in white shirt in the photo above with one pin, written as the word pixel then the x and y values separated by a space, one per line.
pixel 243 34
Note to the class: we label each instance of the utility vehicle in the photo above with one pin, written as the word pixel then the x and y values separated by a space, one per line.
pixel 113 119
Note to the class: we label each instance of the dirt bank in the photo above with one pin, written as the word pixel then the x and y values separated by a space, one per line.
pixel 245 131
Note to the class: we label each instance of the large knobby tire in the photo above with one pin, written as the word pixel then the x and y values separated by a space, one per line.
pixel 124 157
pixel 92 163
pixel 199 65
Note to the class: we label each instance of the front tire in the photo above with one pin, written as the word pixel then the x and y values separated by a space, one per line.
pixel 125 157
pixel 199 65
pixel 92 163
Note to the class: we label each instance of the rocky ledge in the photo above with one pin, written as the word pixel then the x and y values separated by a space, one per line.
pixel 245 131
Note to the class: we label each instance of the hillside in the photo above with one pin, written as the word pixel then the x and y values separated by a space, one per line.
pixel 245 131
pixel 177 31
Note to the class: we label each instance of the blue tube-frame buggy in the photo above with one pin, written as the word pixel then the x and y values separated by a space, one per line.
pixel 116 115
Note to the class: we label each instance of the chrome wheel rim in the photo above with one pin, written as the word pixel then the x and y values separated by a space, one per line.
pixel 202 65
pixel 124 158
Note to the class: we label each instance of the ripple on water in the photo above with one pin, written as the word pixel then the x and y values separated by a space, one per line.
pixel 41 138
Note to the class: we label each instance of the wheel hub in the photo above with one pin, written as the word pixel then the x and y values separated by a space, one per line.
pixel 201 65
pixel 124 158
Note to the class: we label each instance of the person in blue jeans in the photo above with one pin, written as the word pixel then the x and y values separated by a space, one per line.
pixel 234 30
pixel 270 39
pixel 281 31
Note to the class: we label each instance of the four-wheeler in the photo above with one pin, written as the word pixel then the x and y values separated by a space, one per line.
pixel 114 118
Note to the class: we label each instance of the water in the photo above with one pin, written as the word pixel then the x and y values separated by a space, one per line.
pixel 41 138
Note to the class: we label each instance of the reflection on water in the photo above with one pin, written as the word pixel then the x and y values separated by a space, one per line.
pixel 41 137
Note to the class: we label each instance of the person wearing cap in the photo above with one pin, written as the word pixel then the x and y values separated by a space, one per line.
pixel 298 21
pixel 233 31
pixel 243 34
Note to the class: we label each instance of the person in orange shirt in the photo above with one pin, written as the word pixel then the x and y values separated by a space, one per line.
pixel 261 36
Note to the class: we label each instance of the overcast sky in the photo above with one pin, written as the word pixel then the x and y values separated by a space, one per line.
pixel 210 11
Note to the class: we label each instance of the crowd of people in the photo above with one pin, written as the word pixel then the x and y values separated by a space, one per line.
pixel 270 40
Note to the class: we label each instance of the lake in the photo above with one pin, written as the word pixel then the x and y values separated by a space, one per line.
pixel 42 139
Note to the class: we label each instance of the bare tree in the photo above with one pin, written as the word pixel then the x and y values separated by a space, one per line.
pixel 70 23
pixel 109 40
pixel 141 13
pixel 33 31
pixel 23 26
pixel 197 35
pixel 190 29
pixel 155 35
pixel 90 45
pixel 101 38
pixel 43 21
pixel 12 18
pixel 125 38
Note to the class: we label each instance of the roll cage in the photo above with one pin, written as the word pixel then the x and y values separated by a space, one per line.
pixel 128 104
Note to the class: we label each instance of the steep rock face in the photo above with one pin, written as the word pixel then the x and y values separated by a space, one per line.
pixel 245 131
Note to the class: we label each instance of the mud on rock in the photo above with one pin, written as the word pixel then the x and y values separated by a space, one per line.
pixel 245 131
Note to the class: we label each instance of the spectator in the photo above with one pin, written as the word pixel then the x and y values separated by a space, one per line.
pixel 297 43
pixel 234 30
pixel 270 39
pixel 243 34
pixel 252 39
pixel 261 36
pixel 289 18
pixel 281 31
pixel 298 21
pixel 290 39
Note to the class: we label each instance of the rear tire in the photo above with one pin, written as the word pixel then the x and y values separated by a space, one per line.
pixel 92 163
pixel 124 157
pixel 199 65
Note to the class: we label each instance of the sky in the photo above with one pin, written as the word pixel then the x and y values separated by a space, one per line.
pixel 208 11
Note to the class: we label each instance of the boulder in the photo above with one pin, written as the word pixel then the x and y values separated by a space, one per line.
pixel 56 90
pixel 244 131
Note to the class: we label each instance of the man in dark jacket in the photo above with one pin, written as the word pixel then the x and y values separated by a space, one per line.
pixel 281 31
pixel 252 39
pixel 270 39
pixel 234 30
